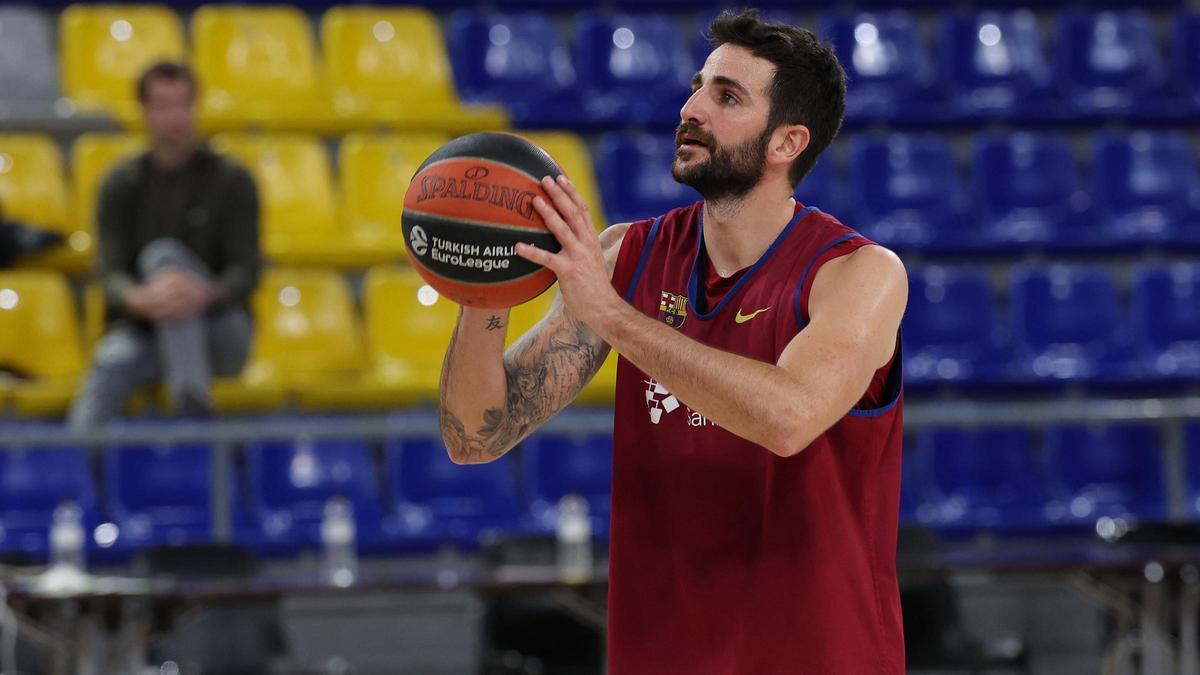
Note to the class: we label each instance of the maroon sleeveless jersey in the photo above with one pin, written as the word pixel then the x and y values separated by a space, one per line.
pixel 726 558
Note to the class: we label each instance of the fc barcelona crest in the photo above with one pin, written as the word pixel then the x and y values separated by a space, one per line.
pixel 672 309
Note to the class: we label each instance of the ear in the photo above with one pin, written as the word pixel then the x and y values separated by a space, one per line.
pixel 787 142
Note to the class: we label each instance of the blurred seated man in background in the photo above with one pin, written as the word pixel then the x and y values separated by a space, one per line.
pixel 179 258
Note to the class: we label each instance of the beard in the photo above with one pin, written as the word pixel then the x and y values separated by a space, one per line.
pixel 728 172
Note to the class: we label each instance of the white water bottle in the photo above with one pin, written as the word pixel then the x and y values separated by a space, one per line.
pixel 574 533
pixel 67 537
pixel 340 553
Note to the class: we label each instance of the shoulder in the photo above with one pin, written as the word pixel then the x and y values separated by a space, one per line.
pixel 872 273
pixel 611 240
pixel 125 176
pixel 230 168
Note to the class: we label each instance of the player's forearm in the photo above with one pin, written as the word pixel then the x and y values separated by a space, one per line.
pixel 473 386
pixel 758 401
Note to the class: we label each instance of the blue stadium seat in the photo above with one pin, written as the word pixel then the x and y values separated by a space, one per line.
pixel 910 492
pixel 820 187
pixel 290 484
pixel 1029 190
pixel 159 495
pixel 1094 472
pixel 906 192
pixel 889 70
pixel 441 502
pixel 634 172
pixel 634 68
pixel 1110 65
pixel 1146 187
pixel 952 332
pixel 1166 319
pixel 1068 325
pixel 995 66
pixel 520 60
pixel 1185 58
pixel 28 62
pixel 981 479
pixel 1192 459
pixel 33 483
pixel 555 466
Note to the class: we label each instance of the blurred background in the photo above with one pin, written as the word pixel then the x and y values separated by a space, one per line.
pixel 1033 163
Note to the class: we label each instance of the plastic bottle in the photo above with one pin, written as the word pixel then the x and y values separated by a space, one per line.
pixel 339 548
pixel 67 537
pixel 574 533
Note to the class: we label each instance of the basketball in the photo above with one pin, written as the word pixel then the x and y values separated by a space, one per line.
pixel 467 206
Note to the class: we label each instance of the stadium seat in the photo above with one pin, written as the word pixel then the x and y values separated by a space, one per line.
pixel 888 66
pixel 159 495
pixel 436 501
pixel 105 48
pixel 375 170
pixel 33 191
pixel 635 176
pixel 28 68
pixel 389 66
pixel 300 215
pixel 1146 187
pixel 258 67
pixel 994 65
pixel 1114 470
pixel 39 341
pixel 910 491
pixel 908 192
pixel 1029 190
pixel 307 336
pixel 571 153
pixel 93 156
pixel 555 465
pixel 520 60
pixel 408 328
pixel 1192 459
pixel 633 68
pixel 1110 65
pixel 1185 58
pixel 33 483
pixel 952 333
pixel 821 187
pixel 1068 324
pixel 981 479
pixel 290 483
pixel 1166 319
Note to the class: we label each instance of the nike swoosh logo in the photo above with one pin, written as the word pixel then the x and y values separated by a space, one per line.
pixel 743 318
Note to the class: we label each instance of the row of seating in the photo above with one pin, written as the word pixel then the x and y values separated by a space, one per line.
pixel 258 66
pixel 310 350
pixel 1019 190
pixel 636 68
pixel 962 481
pixel 1065 324
pixel 307 218
pixel 261 67
pixel 160 495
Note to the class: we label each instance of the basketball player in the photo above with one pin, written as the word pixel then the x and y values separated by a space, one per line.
pixel 756 450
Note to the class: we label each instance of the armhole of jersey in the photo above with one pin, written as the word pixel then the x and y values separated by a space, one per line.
pixel 800 322
pixel 891 390
pixel 641 264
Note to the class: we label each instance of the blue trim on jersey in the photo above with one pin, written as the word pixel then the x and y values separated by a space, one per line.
pixel 808 268
pixel 637 272
pixel 896 378
pixel 694 288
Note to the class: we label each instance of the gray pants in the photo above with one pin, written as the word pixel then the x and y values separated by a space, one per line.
pixel 183 353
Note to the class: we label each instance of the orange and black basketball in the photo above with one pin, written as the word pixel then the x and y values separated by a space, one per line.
pixel 468 204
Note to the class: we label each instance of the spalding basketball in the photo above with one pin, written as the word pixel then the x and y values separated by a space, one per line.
pixel 467 206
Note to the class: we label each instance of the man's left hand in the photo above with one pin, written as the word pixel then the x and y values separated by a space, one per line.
pixel 582 274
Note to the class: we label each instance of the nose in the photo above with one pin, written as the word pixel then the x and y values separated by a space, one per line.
pixel 693 109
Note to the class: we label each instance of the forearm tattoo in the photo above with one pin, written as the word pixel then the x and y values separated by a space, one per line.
pixel 543 373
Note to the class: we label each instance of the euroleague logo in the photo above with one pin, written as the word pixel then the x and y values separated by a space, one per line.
pixel 472 186
pixel 419 240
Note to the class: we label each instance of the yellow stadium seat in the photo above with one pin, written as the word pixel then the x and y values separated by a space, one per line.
pixel 39 341
pixel 408 327
pixel 525 316
pixel 93 156
pixel 572 154
pixel 104 48
pixel 375 172
pixel 300 219
pixel 258 67
pixel 390 66
pixel 33 191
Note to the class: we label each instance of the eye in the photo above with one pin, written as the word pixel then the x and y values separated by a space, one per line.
pixel 728 98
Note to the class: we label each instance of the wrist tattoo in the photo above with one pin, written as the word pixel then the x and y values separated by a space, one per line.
pixel 494 323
